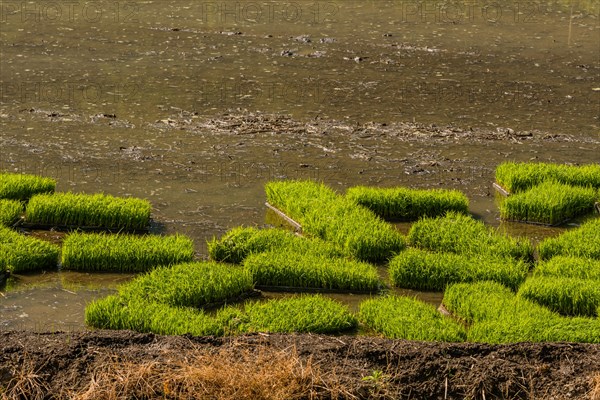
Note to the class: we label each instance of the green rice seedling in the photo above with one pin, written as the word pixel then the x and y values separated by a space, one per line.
pixel 238 243
pixel 580 242
pixel 83 210
pixel 533 329
pixel 10 212
pixel 569 267
pixel 407 318
pixel 314 313
pixel 312 270
pixel 326 215
pixel 497 315
pixel 480 301
pixel 458 233
pixel 19 253
pixel 114 312
pixel 404 204
pixel 567 296
pixel 548 203
pixel 190 285
pixel 123 252
pixel 518 177
pixel 22 186
pixel 423 270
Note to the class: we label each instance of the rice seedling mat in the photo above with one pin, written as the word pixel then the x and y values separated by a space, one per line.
pixel 294 289
pixel 549 204
pixel 23 186
pixel 402 203
pixel 92 212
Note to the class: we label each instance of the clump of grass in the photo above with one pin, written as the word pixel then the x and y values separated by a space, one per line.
pixel 190 285
pixel 83 210
pixel 533 329
pixel 548 203
pixel 302 314
pixel 123 252
pixel 10 211
pixel 480 301
pixel 400 317
pixel 569 267
pixel 517 177
pixel 19 253
pixel 567 296
pixel 240 242
pixel 312 270
pixel 497 315
pixel 115 312
pixel 580 242
pixel 22 186
pixel 461 234
pixel 404 204
pixel 324 214
pixel 423 270
pixel 315 314
pixel 224 372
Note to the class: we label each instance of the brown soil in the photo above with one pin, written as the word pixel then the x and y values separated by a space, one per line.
pixel 127 365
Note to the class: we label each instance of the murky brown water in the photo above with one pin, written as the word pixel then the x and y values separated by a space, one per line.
pixel 195 105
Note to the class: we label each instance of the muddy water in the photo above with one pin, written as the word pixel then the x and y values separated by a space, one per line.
pixel 195 105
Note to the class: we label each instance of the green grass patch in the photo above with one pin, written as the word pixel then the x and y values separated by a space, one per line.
pixel 312 270
pixel 480 301
pixel 314 314
pixel 10 211
pixel 497 315
pixel 190 285
pixel 22 186
pixel 123 252
pixel 94 211
pixel 517 177
pixel 579 242
pixel 399 317
pixel 569 267
pixel 548 203
pixel 302 314
pixel 567 296
pixel 19 253
pixel 240 242
pixel 404 204
pixel 423 270
pixel 114 312
pixel 461 234
pixel 331 217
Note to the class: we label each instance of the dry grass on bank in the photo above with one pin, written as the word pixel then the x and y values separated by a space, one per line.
pixel 225 374
pixel 595 393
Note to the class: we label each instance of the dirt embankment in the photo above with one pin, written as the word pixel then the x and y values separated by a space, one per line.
pixel 126 365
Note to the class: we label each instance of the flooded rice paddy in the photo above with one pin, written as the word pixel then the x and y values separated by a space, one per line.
pixel 196 105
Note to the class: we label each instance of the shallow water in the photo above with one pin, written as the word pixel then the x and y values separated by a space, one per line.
pixel 175 101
